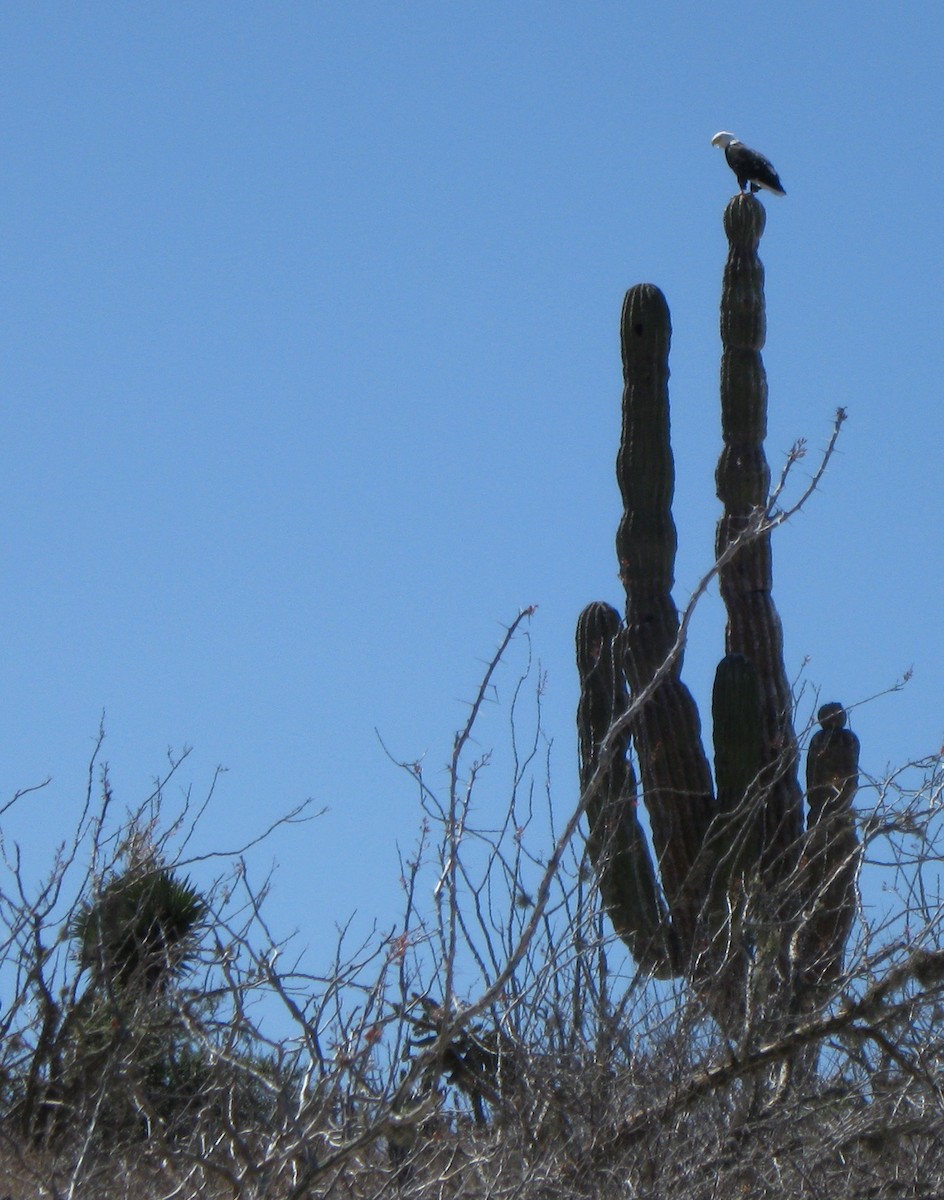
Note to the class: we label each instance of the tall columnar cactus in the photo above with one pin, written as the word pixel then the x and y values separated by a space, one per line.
pixel 730 852
pixel 743 480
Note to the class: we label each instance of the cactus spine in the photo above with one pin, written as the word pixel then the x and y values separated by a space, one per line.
pixel 733 844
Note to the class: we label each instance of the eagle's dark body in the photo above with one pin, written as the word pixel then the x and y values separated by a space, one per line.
pixel 751 168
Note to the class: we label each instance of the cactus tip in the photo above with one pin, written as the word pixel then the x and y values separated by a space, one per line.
pixel 832 715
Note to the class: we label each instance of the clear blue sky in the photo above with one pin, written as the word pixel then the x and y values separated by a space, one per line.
pixel 311 378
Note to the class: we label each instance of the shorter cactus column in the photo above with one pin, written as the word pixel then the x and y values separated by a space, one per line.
pixel 616 842
pixel 831 848
pixel 734 845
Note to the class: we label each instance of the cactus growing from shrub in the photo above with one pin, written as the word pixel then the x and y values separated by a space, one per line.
pixel 730 856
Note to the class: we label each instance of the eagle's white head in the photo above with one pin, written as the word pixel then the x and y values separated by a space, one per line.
pixel 723 140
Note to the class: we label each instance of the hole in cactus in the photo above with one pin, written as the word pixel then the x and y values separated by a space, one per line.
pixel 637 329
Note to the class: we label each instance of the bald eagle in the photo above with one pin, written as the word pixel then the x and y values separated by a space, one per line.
pixel 749 166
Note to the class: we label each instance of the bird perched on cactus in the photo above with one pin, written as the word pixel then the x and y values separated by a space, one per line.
pixel 750 167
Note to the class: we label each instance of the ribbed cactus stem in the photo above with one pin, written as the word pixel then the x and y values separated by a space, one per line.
pixel 737 730
pixel 616 842
pixel 743 481
pixel 675 774
pixel 755 912
pixel 831 849
pixel 735 842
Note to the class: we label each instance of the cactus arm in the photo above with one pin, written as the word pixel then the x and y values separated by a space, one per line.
pixel 616 842
pixel 831 850
pixel 733 847
pixel 673 767
pixel 737 730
